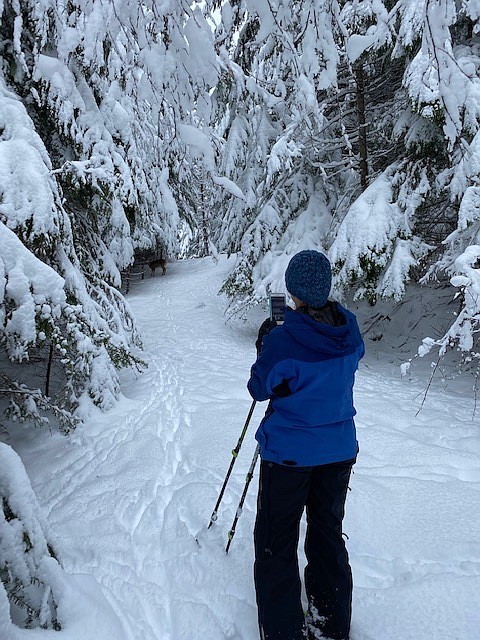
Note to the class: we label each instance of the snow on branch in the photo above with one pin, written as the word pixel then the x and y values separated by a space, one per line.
pixel 31 294
pixel 31 405
pixel 374 246
pixel 442 79
pixel 25 544
pixel 229 186
pixel 35 592
pixel 465 330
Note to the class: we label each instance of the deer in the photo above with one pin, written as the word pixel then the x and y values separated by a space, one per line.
pixel 160 262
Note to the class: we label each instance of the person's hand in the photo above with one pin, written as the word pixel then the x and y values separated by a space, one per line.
pixel 266 327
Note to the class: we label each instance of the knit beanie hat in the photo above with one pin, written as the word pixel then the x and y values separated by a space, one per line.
pixel 309 278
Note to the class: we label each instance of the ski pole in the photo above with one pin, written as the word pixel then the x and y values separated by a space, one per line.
pixel 235 452
pixel 248 479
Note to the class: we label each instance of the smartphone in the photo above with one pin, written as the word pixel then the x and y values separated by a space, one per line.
pixel 277 307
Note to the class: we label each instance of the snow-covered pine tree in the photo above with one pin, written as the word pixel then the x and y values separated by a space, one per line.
pixel 93 99
pixel 44 298
pixel 371 243
pixel 452 45
pixel 418 215
pixel 49 304
pixel 197 205
pixel 284 62
pixel 396 203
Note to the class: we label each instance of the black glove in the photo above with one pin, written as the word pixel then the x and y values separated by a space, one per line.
pixel 266 327
pixel 282 390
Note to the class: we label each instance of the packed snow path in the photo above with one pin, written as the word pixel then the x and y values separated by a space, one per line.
pixel 128 494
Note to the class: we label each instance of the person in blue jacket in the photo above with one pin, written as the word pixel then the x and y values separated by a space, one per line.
pixel 306 368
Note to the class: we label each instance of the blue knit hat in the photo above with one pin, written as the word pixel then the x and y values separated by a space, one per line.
pixel 309 277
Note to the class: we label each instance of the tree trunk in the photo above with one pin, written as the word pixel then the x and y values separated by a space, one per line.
pixel 362 127
pixel 49 371
pixel 205 234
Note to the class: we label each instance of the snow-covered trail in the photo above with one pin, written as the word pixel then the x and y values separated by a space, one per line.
pixel 131 492
pixel 127 495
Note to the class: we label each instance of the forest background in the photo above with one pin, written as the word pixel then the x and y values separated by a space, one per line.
pixel 131 131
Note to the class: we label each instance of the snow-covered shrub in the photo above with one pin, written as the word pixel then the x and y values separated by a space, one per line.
pixel 24 545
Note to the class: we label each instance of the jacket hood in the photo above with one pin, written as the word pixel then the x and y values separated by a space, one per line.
pixel 321 337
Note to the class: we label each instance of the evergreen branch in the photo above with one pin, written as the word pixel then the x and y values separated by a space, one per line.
pixel 65 419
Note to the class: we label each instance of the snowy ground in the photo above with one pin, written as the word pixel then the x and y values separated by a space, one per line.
pixel 127 495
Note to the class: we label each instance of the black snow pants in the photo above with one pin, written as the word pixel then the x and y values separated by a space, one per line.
pixel 283 494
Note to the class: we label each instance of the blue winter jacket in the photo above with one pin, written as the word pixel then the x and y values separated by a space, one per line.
pixel 307 369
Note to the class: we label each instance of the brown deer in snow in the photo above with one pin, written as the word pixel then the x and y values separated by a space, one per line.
pixel 161 262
